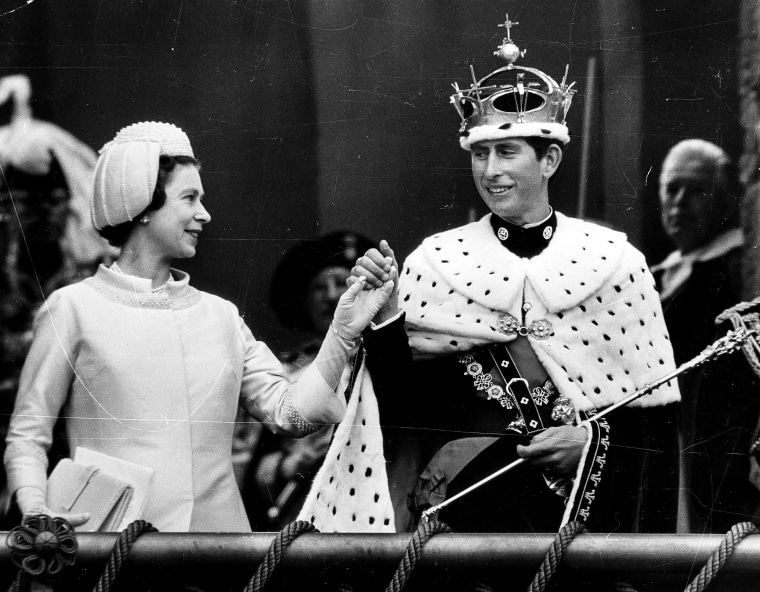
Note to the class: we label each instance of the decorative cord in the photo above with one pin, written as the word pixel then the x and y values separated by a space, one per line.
pixel 41 547
pixel 21 583
pixel 425 531
pixel 562 540
pixel 739 321
pixel 274 554
pixel 127 538
pixel 726 548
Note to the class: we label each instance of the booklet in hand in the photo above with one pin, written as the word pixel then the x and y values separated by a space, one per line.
pixel 74 488
pixel 114 491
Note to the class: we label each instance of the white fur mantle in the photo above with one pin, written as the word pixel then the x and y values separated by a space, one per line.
pixel 609 337
pixel 350 491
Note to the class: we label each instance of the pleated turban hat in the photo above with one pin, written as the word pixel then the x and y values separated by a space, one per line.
pixel 127 170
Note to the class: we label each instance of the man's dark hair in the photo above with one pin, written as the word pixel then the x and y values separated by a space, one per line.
pixel 540 145
pixel 118 235
pixel 541 148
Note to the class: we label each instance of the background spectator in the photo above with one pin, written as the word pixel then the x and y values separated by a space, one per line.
pixel 699 213
pixel 46 237
pixel 305 290
pixel 702 276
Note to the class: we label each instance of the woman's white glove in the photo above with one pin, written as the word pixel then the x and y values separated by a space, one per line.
pixel 357 307
pixel 31 500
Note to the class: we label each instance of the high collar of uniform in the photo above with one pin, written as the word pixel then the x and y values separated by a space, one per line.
pixel 524 241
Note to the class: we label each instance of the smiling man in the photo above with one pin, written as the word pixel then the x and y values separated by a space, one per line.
pixel 518 329
pixel 511 177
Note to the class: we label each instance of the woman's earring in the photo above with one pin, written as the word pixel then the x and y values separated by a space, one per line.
pixel 144 220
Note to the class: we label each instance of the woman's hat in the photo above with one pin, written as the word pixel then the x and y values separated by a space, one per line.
pixel 301 263
pixel 127 170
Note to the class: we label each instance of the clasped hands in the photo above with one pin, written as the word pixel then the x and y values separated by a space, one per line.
pixel 378 268
pixel 368 293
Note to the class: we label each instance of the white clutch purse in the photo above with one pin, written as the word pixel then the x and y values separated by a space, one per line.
pixel 114 491
pixel 74 488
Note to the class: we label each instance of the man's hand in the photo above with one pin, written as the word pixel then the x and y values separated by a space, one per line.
pixel 557 450
pixel 378 266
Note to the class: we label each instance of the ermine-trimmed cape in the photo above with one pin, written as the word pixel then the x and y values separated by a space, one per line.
pixel 594 288
pixel 608 334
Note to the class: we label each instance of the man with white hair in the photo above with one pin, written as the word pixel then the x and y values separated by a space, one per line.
pixel 697 282
pixel 699 212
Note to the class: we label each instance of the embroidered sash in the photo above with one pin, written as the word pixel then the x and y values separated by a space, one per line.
pixel 526 393
pixel 529 395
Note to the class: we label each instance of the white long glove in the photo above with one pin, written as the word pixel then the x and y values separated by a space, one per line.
pixel 31 500
pixel 355 310
pixel 357 307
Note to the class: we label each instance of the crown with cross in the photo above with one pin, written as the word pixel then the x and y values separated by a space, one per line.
pixel 529 103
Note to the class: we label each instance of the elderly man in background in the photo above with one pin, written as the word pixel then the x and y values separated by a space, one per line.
pixel 702 277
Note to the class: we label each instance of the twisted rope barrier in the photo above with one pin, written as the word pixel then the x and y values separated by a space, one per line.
pixel 716 561
pixel 32 546
pixel 425 531
pixel 274 554
pixel 548 568
pixel 121 548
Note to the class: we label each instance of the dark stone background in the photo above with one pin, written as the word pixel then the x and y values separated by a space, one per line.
pixel 315 116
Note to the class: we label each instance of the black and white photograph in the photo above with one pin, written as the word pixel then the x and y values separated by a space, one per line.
pixel 379 295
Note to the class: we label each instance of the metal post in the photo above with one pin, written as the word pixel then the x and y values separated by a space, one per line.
pixel 588 113
pixel 749 82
